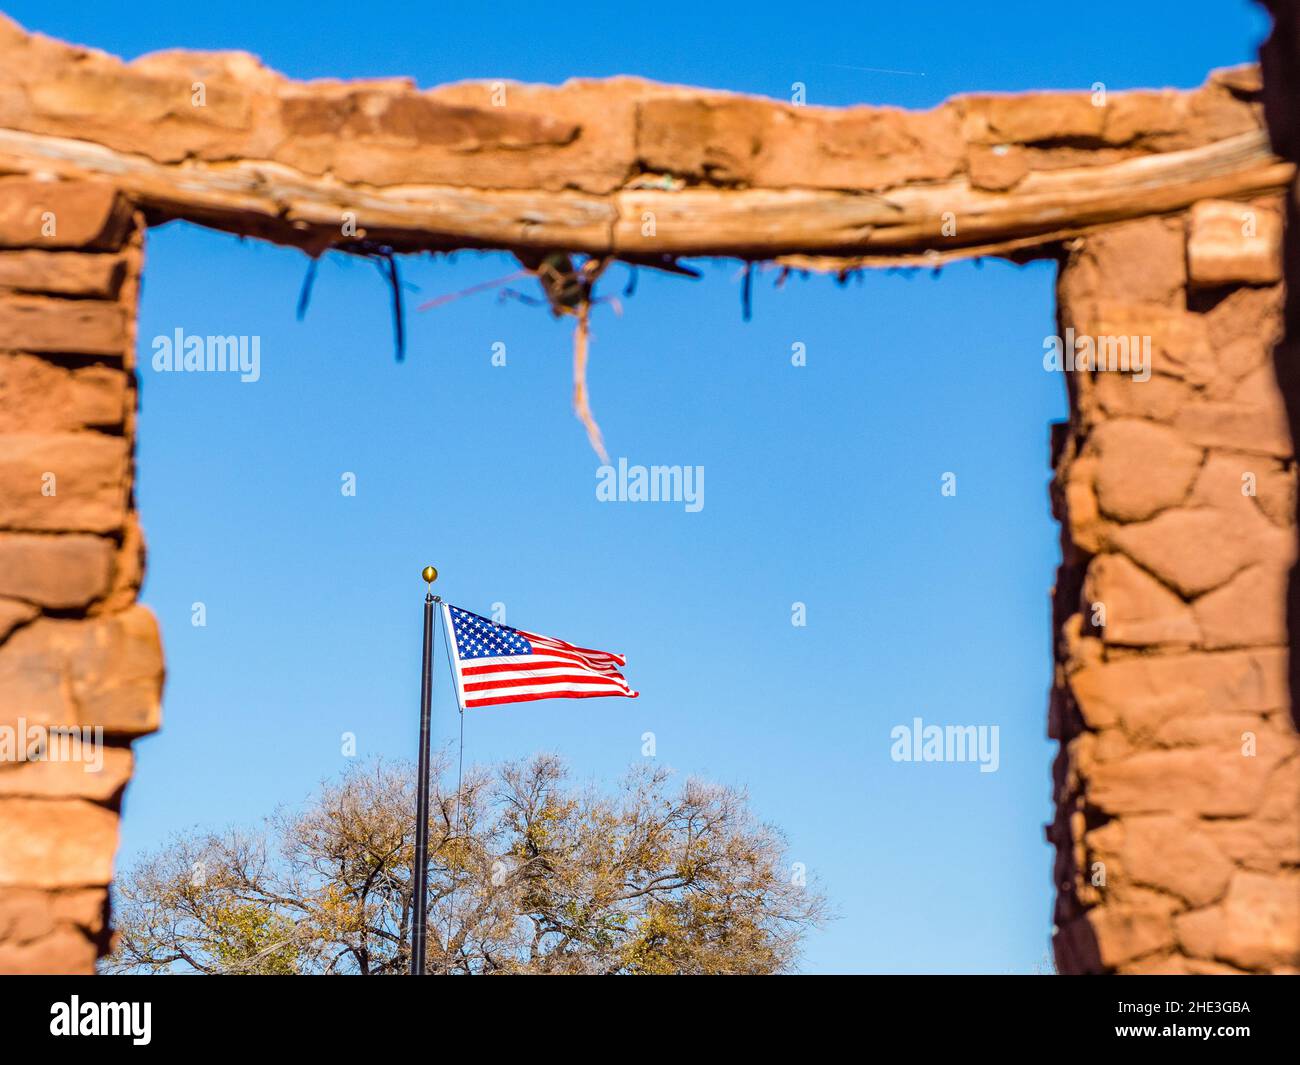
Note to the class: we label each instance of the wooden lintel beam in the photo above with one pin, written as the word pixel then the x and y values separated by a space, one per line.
pixel 826 227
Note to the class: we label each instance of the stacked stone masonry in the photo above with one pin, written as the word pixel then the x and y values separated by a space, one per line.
pixel 1178 780
pixel 76 651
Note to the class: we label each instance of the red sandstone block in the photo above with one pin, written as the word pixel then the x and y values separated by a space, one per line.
pixel 1139 263
pixel 736 139
pixel 1248 611
pixel 1260 843
pixel 1138 610
pixel 75 482
pixel 1233 481
pixel 578 136
pixel 1196 549
pixel 56 843
pixel 61 214
pixel 62 273
pixel 1199 931
pixel 41 396
pixel 1220 782
pixel 59 571
pixel 1022 119
pixel 1123 933
pixel 117 671
pixel 1159 399
pixel 27 914
pixel 33 687
pixel 105 671
pixel 1261 928
pixel 80 327
pixel 1142 468
pixel 64 951
pixel 1239 426
pixel 1170 854
pixel 100 776
pixel 1233 243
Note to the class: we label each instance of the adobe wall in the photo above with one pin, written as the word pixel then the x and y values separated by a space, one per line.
pixel 75 649
pixel 1178 780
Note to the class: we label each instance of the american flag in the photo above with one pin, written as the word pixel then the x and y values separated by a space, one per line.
pixel 496 664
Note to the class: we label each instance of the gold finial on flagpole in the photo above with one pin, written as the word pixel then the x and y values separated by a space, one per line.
pixel 429 574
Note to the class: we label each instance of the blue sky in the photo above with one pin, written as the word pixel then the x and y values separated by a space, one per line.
pixel 822 482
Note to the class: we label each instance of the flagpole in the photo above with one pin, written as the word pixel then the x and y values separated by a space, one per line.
pixel 420 874
pixel 460 770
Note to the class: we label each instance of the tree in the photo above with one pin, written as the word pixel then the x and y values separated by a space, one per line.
pixel 527 876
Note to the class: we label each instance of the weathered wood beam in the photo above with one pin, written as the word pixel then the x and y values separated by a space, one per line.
pixel 276 201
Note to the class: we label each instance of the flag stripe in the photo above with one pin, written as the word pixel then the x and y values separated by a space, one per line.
pixel 527 667
pixel 539 683
pixel 548 641
pixel 478 683
pixel 518 698
pixel 540 662
pixel 558 656
pixel 495 664
pixel 595 663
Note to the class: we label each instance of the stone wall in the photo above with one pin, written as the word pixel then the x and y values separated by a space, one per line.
pixel 1178 780
pixel 75 650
